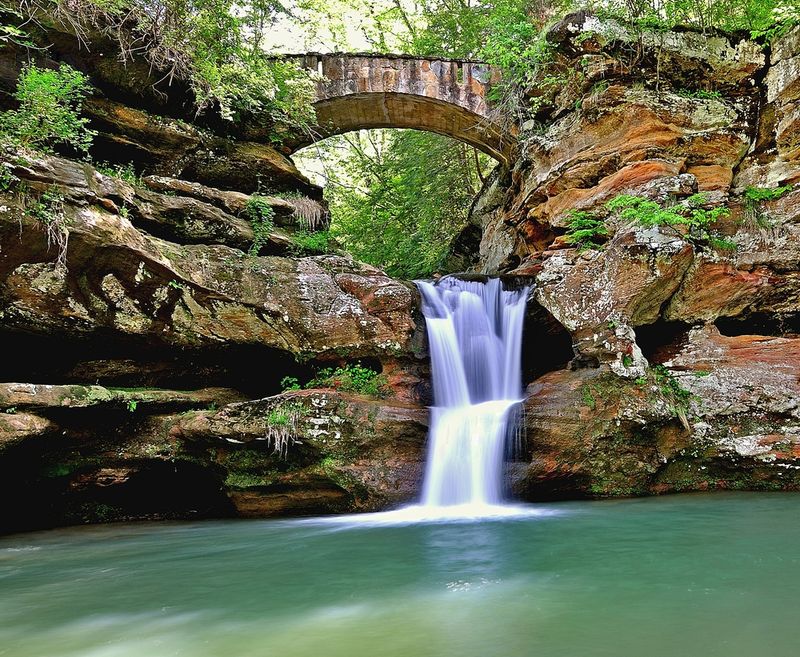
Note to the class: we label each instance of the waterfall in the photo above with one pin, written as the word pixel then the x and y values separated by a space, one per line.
pixel 475 336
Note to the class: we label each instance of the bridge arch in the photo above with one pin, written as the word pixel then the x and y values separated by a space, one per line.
pixel 448 97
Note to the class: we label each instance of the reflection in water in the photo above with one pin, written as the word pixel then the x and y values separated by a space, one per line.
pixel 468 554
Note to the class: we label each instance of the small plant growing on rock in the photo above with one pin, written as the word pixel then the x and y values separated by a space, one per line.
pixel 289 383
pixel 587 396
pixel 669 387
pixel 124 172
pixel 586 231
pixel 304 242
pixel 243 480
pixel 48 210
pixel 722 244
pixel 7 179
pixel 754 196
pixel 262 218
pixel 702 94
pixel 351 378
pixel 310 214
pixel 690 215
pixel 49 110
pixel 282 424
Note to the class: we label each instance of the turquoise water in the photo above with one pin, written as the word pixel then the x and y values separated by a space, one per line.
pixel 694 575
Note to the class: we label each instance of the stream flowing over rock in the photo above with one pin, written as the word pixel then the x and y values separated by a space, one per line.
pixel 147 342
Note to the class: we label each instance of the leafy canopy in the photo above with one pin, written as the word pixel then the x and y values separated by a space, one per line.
pixel 217 47
pixel 398 198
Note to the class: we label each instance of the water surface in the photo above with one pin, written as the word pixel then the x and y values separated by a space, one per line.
pixel 694 575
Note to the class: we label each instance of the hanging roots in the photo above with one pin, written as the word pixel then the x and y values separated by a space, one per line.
pixel 48 210
pixel 282 423
pixel 309 212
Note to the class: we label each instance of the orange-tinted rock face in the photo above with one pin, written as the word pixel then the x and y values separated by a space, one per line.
pixel 702 124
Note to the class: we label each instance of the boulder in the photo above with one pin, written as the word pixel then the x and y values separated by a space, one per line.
pixel 737 425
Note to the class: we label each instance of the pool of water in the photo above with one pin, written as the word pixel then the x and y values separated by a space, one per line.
pixel 688 575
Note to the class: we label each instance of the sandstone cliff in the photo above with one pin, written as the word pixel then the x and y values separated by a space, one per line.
pixel 146 341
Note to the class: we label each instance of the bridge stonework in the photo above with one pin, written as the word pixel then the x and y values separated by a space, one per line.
pixel 449 97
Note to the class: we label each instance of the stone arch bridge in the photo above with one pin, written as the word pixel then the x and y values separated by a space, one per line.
pixel 449 97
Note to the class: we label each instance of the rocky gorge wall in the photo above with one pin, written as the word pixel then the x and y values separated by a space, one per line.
pixel 685 369
pixel 145 341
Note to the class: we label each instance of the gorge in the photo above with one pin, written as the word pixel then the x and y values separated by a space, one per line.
pixel 274 383
pixel 656 359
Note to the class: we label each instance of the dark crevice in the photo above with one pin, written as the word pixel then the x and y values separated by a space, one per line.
pixel 778 325
pixel 661 340
pixel 104 359
pixel 546 344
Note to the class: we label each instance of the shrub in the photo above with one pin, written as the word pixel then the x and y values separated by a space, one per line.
pixel 49 110
pixel 304 241
pixel 691 215
pixel 586 231
pixel 754 196
pixel 125 172
pixel 290 383
pixel 351 378
pixel 216 47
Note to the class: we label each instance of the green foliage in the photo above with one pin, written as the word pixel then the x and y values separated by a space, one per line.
pixel 48 209
pixel 125 172
pixel 703 94
pixel 7 179
pixel 586 231
pixel 764 19
pixel 243 480
pixel 351 378
pixel 131 405
pixel 283 415
pixel 669 386
pixel 10 31
pixel 304 241
pixel 49 110
pixel 513 42
pixel 262 219
pixel 691 215
pixel 722 243
pixel 398 199
pixel 217 47
pixel 290 383
pixel 587 396
pixel 754 196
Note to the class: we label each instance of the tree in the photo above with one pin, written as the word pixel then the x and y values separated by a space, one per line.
pixel 400 197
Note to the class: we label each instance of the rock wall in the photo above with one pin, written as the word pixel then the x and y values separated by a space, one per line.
pixel 147 341
pixel 122 305
pixel 684 373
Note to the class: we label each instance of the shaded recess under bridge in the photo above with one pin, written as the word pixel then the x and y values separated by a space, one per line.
pixel 449 97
